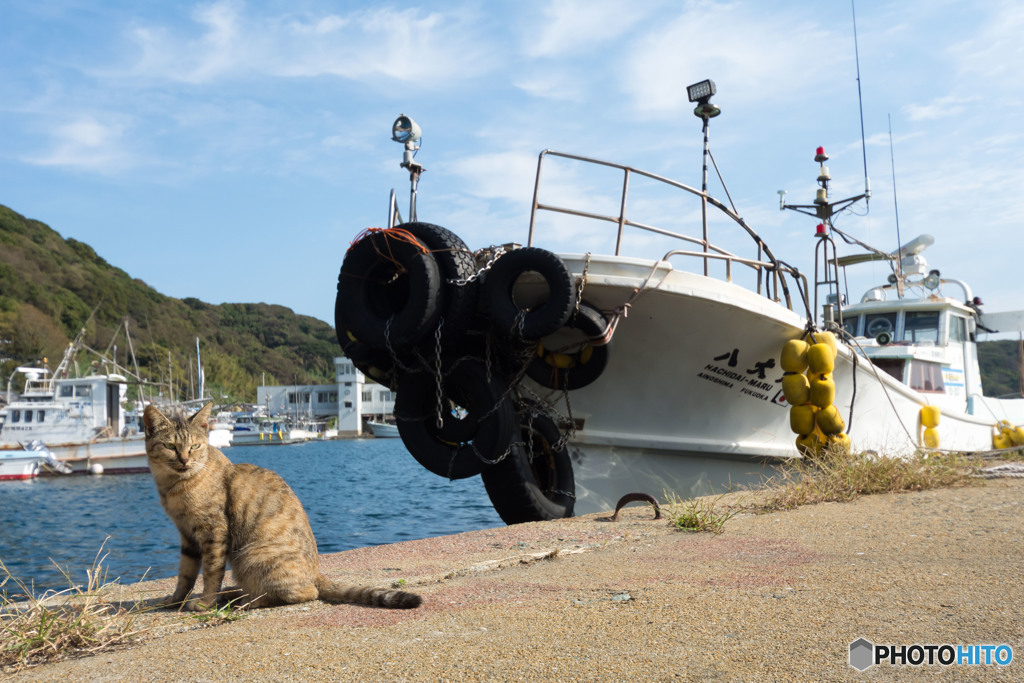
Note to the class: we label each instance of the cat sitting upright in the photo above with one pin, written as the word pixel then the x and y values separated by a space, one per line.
pixel 243 515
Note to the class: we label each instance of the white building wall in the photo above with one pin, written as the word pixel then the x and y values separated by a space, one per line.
pixel 352 399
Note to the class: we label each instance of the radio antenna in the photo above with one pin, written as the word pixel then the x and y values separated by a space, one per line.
pixel 860 103
pixel 895 204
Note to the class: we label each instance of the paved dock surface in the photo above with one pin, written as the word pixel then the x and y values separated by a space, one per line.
pixel 777 596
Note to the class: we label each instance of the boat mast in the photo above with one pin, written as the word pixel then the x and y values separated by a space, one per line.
pixel 701 94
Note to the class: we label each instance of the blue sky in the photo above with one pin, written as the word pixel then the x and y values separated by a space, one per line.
pixel 230 150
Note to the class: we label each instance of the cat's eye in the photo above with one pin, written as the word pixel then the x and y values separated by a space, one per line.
pixel 196 445
pixel 169 446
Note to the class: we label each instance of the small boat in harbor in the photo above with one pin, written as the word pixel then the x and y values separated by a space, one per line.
pixel 80 420
pixel 568 380
pixel 262 431
pixel 382 429
pixel 34 459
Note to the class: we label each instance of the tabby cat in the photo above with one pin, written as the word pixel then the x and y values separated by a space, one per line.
pixel 243 515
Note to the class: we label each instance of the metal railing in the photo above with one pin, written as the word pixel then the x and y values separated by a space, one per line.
pixel 771 273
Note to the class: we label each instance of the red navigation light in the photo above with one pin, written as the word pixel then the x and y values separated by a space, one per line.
pixel 820 230
pixel 820 155
pixel 820 150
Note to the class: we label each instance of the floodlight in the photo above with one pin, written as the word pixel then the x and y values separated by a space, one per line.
pixel 701 92
pixel 406 131
pixel 932 281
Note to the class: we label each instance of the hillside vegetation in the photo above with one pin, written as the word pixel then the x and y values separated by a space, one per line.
pixel 51 287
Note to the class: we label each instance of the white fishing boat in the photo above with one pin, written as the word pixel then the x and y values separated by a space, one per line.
pixel 222 429
pixel 262 431
pixel 597 375
pixel 382 429
pixel 80 420
pixel 35 458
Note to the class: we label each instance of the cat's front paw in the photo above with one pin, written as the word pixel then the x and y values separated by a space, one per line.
pixel 170 601
pixel 199 605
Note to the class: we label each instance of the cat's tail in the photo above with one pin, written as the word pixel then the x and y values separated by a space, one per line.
pixel 332 591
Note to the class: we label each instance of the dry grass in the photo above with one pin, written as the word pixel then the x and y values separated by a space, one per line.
pixel 697 514
pixel 839 476
pixel 73 622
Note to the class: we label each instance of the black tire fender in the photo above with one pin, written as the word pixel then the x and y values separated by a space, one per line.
pixel 455 262
pixel 389 290
pixel 464 443
pixel 525 490
pixel 555 369
pixel 543 319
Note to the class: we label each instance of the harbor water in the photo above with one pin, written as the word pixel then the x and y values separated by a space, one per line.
pixel 357 492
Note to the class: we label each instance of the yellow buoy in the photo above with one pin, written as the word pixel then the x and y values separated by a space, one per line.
pixel 820 359
pixel 794 355
pixel 796 388
pixel 809 445
pixel 840 442
pixel 931 437
pixel 825 338
pixel 823 391
pixel 1001 440
pixel 830 421
pixel 930 416
pixel 1017 436
pixel 801 418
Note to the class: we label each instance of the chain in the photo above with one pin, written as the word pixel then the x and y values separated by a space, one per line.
pixel 495 255
pixel 437 367
pixel 581 281
pixel 391 351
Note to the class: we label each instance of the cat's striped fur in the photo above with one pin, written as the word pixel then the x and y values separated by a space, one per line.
pixel 243 515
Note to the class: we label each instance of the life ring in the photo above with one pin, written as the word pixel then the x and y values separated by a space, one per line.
pixel 456 264
pixel 542 319
pixel 556 369
pixel 389 289
pixel 477 423
pixel 534 482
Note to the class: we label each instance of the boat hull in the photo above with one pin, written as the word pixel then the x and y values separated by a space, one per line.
pixel 109 456
pixel 690 401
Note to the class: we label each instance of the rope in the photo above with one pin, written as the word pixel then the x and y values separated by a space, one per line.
pixel 1009 470
pixel 622 311
pixel 399 234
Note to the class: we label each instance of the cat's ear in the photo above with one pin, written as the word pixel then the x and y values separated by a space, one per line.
pixel 152 418
pixel 202 418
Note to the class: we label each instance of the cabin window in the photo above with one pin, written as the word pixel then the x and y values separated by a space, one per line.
pixel 891 366
pixel 926 377
pixel 28 416
pixel 850 325
pixel 957 329
pixel 41 416
pixel 83 391
pixel 66 391
pixel 921 326
pixel 877 323
pixel 15 416
pixel 367 395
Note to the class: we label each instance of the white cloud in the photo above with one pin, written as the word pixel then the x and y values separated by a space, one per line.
pixel 85 143
pixel 939 108
pixel 579 26
pixel 759 52
pixel 410 46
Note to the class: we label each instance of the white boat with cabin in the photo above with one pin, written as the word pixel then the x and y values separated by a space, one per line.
pixel 80 420
pixel 673 380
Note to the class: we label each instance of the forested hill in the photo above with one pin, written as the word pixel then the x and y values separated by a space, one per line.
pixel 51 287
